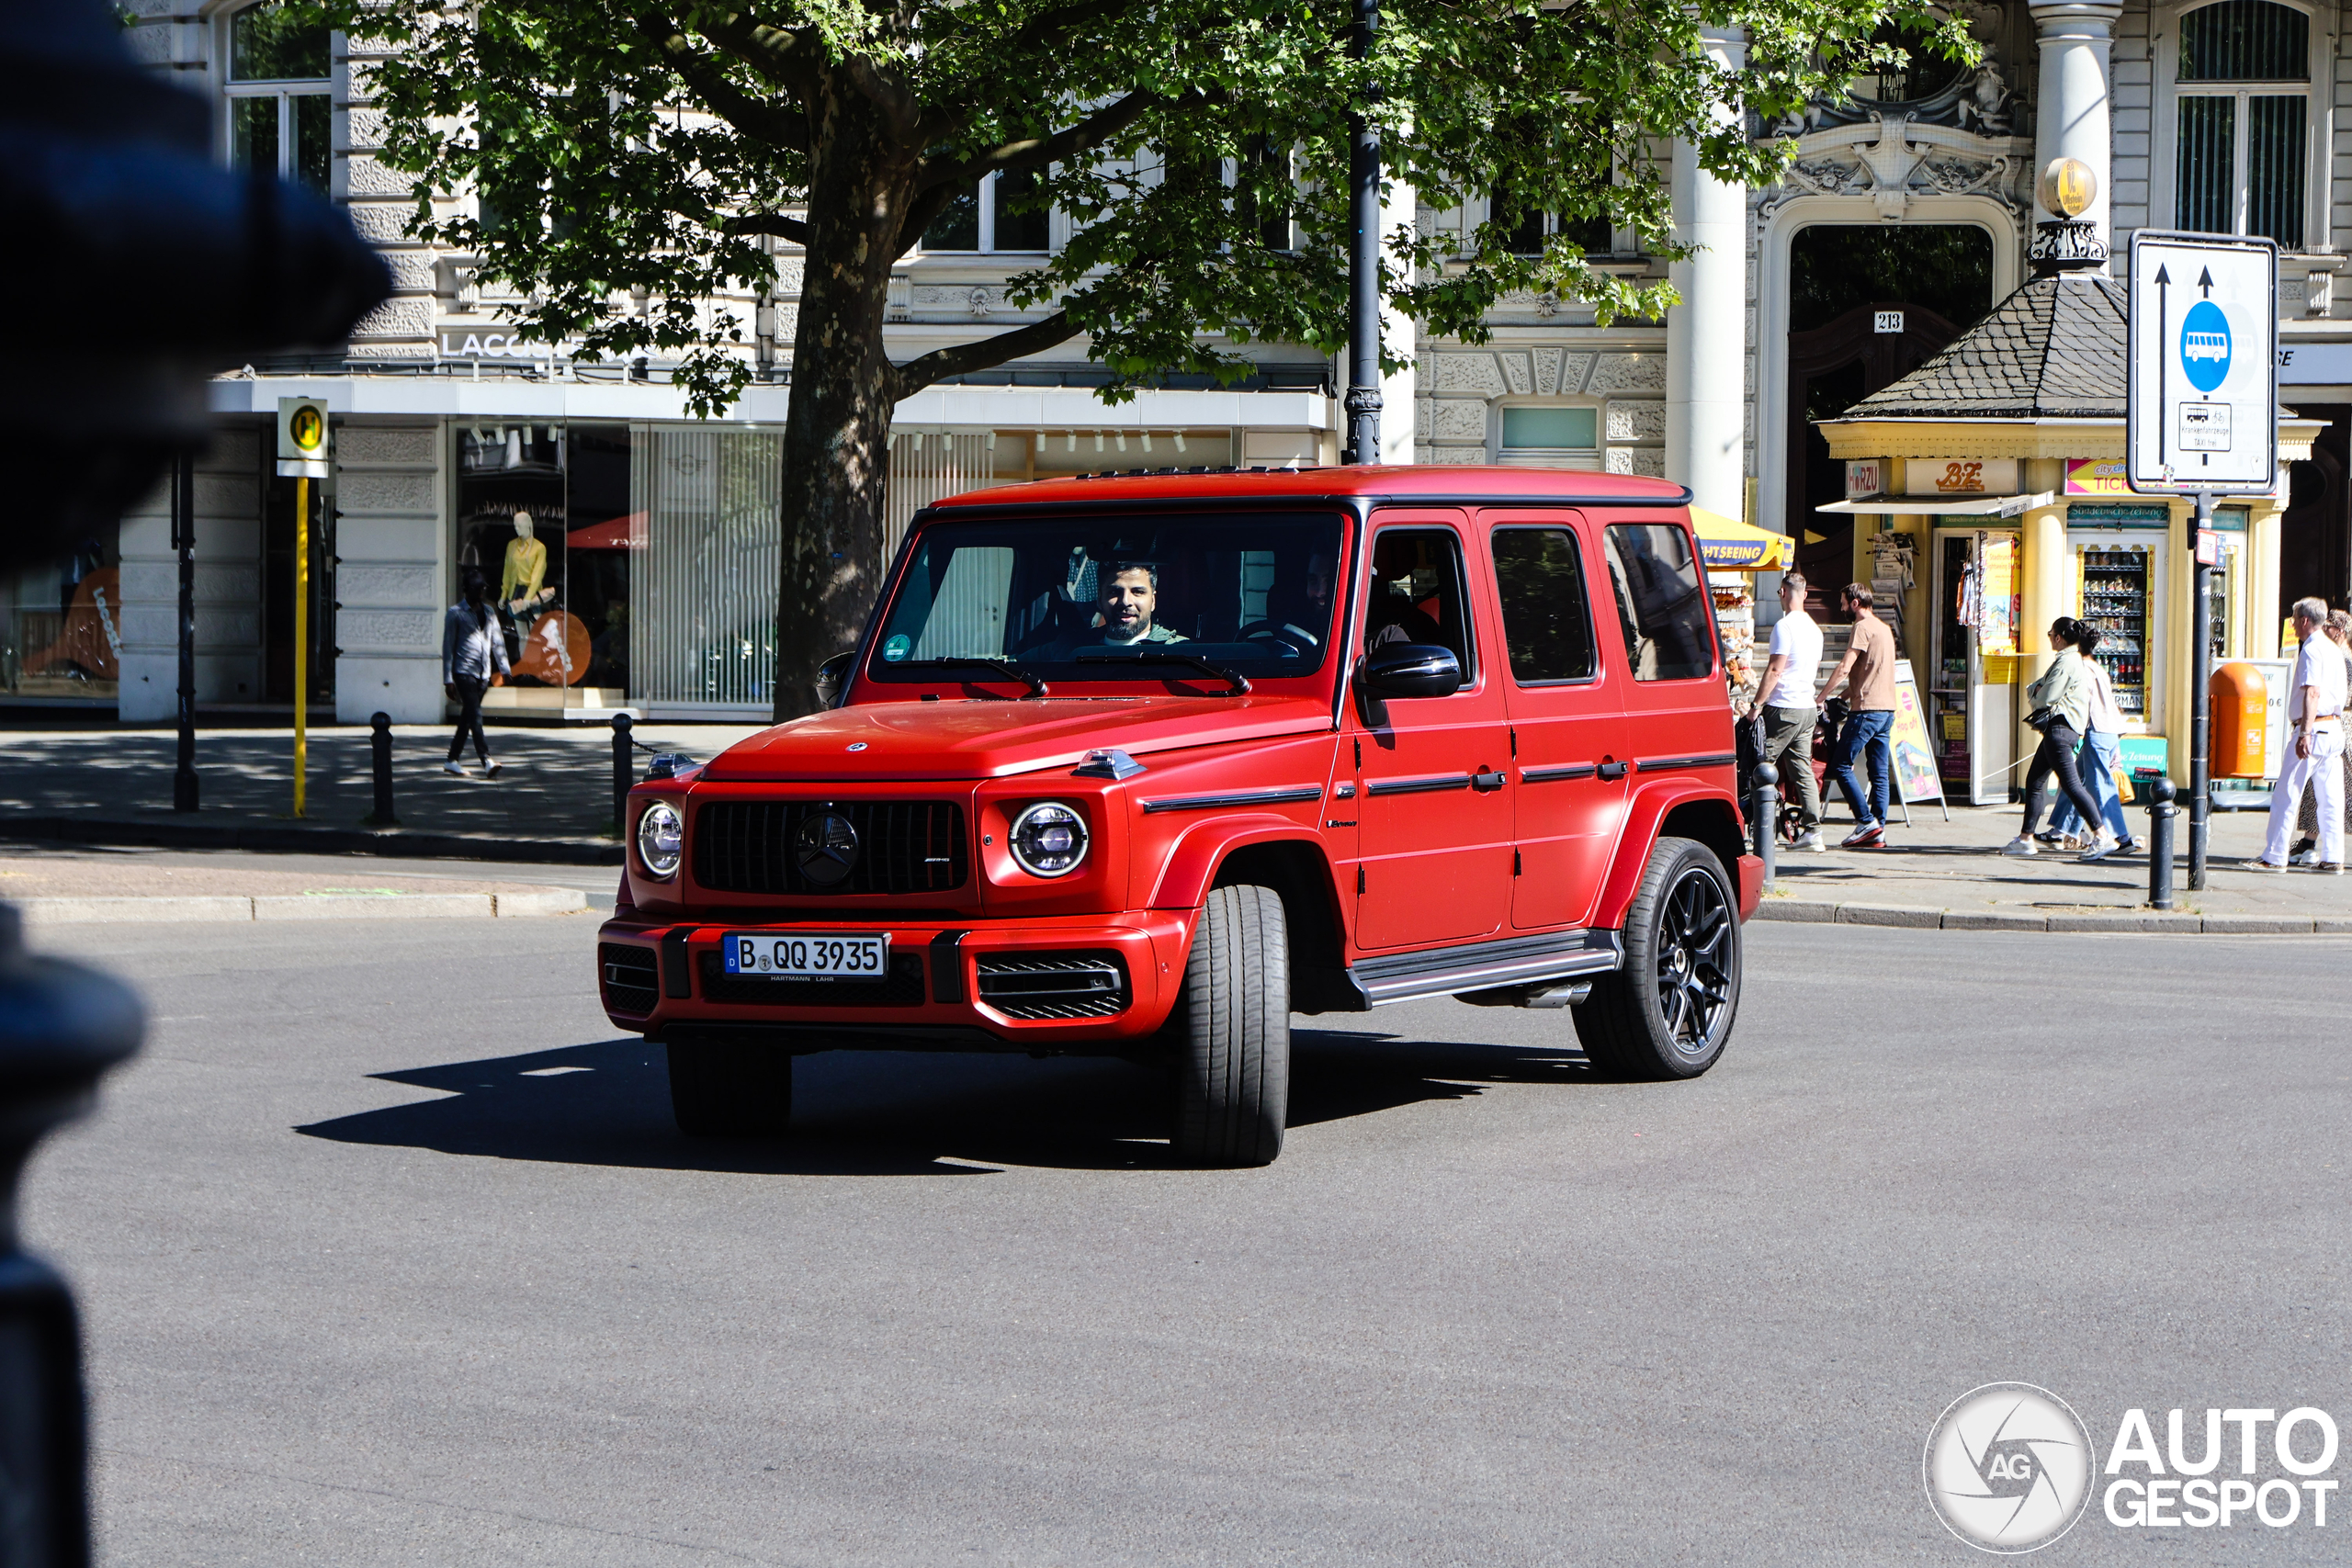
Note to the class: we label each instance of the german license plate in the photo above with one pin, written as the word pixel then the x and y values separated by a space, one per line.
pixel 809 955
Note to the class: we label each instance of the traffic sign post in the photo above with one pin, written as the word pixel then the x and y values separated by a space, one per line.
pixel 2202 419
pixel 302 454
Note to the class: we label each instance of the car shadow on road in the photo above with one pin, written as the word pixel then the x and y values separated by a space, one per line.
pixel 881 1113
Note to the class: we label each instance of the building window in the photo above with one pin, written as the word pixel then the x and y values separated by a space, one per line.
pixel 1551 436
pixel 1003 221
pixel 1524 233
pixel 278 92
pixel 2243 114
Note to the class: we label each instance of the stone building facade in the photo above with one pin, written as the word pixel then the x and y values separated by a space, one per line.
pixel 1905 215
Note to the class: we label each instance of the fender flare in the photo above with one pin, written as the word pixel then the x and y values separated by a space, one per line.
pixel 1191 862
pixel 1649 808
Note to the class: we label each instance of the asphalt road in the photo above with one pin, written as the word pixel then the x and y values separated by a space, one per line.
pixel 389 1255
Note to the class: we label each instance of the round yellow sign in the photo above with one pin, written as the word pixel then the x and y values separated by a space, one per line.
pixel 307 430
pixel 2067 187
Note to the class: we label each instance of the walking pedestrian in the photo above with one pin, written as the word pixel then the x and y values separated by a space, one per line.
pixel 2315 697
pixel 2339 631
pixel 1868 674
pixel 473 660
pixel 2059 702
pixel 1789 712
pixel 2102 746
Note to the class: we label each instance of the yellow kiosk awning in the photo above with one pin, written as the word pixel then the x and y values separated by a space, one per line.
pixel 1729 545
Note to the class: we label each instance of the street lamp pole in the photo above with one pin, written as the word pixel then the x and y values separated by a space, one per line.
pixel 1364 257
pixel 183 789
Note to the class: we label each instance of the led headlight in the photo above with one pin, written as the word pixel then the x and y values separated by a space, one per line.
pixel 1048 840
pixel 660 837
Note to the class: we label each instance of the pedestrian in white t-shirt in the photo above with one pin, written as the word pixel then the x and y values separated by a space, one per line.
pixel 2315 696
pixel 1789 710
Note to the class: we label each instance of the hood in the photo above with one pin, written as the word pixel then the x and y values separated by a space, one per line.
pixel 982 739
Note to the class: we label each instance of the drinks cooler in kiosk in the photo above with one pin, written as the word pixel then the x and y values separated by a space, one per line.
pixel 2120 591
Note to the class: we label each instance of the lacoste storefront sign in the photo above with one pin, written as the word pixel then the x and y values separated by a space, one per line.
pixel 478 342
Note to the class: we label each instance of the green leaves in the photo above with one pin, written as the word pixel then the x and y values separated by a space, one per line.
pixel 612 142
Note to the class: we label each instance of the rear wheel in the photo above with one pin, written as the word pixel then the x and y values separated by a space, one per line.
pixel 728 1089
pixel 1231 1031
pixel 1668 1013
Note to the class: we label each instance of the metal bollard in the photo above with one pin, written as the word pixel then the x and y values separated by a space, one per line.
pixel 2161 812
pixel 624 772
pixel 62 1026
pixel 382 744
pixel 1764 819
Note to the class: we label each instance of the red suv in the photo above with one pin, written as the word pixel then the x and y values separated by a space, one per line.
pixel 1141 765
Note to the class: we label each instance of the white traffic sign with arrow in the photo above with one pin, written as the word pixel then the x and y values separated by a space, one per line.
pixel 2201 405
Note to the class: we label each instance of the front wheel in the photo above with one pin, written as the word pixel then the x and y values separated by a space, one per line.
pixel 1668 1012
pixel 1231 1032
pixel 728 1089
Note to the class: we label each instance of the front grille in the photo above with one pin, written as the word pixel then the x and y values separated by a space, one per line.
pixel 632 981
pixel 903 846
pixel 1055 984
pixel 902 987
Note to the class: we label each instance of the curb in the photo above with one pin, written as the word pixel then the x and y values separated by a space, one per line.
pixel 278 840
pixel 2119 919
pixel 227 908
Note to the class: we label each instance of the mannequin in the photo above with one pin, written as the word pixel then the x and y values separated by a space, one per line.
pixel 526 568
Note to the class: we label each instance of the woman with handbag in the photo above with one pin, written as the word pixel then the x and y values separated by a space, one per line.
pixel 2102 746
pixel 2058 704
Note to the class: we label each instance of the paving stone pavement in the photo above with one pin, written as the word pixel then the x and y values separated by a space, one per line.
pixel 555 785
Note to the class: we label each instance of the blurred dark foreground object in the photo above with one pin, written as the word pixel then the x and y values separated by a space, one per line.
pixel 62 1026
pixel 140 265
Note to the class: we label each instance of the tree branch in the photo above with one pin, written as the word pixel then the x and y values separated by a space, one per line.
pixel 793 229
pixel 965 357
pixel 790 58
pixel 757 119
pixel 1036 152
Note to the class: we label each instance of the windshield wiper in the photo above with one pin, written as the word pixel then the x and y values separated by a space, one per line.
pixel 1003 667
pixel 1236 685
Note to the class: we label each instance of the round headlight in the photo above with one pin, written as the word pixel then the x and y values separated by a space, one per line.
pixel 1048 840
pixel 661 836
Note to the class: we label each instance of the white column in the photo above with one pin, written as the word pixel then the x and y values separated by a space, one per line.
pixel 2072 119
pixel 1706 334
pixel 1397 335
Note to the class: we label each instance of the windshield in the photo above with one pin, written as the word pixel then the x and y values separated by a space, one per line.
pixel 1068 599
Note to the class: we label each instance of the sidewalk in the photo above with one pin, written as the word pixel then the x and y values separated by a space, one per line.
pixel 62 887
pixel 1954 875
pixel 552 801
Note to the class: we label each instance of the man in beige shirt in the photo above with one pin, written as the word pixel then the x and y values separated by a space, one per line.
pixel 1868 673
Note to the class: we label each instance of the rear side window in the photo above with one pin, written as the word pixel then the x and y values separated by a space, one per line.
pixel 1661 601
pixel 1547 619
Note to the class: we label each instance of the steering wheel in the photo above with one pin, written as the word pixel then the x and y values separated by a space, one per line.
pixel 1289 637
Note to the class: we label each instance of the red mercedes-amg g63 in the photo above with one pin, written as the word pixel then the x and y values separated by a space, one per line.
pixel 1142 765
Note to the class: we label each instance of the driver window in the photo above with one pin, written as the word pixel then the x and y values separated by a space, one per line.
pixel 1416 594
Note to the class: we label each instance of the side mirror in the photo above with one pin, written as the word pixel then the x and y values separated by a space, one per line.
pixel 832 676
pixel 1410 669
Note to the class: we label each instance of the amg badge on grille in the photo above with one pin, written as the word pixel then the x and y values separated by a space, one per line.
pixel 826 848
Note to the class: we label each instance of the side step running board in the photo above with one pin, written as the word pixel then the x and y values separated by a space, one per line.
pixel 1484 966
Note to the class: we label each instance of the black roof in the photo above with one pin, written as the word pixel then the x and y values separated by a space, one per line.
pixel 2055 349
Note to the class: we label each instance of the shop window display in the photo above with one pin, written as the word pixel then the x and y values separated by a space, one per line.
pixel 542 511
pixel 61 624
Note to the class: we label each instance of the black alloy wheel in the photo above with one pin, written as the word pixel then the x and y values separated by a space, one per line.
pixel 1668 1012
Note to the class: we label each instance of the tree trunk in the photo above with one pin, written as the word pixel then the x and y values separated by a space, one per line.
pixel 837 426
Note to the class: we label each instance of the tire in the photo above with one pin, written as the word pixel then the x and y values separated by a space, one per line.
pixel 1668 1012
pixel 727 1090
pixel 1231 1032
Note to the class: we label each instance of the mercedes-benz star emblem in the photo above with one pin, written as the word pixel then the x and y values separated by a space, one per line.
pixel 825 849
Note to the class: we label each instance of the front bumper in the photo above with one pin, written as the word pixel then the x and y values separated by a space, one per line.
pixel 972 986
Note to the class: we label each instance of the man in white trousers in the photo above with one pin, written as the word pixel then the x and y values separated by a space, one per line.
pixel 2315 697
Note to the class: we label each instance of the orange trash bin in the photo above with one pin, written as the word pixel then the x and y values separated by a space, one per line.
pixel 2238 694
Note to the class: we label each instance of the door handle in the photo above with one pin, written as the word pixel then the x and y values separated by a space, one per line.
pixel 1486 781
pixel 1612 770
